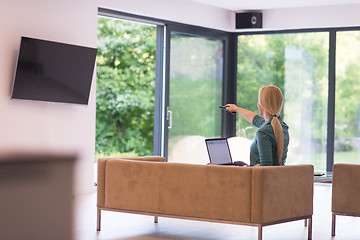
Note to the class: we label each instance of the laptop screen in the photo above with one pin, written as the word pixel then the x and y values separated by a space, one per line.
pixel 218 150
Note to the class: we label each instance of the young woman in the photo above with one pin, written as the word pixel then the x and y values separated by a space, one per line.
pixel 272 138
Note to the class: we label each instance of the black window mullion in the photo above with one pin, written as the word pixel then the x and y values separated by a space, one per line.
pixel 229 86
pixel 331 102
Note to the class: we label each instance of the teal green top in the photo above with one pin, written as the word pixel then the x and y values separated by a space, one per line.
pixel 263 149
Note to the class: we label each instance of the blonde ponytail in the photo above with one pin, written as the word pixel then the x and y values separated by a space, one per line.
pixel 275 123
pixel 271 99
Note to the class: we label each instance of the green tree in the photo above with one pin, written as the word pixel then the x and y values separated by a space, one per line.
pixel 125 87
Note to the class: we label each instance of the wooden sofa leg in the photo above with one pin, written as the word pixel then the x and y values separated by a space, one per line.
pixel 260 232
pixel 156 219
pixel 333 224
pixel 306 222
pixel 310 229
pixel 98 220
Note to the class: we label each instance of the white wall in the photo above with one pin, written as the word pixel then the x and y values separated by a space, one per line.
pixel 41 126
pixel 207 16
pixel 188 12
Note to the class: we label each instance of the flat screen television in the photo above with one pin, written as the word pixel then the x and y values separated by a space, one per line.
pixel 53 72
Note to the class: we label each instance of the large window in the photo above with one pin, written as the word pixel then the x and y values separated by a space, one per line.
pixel 159 88
pixel 347 96
pixel 298 64
pixel 143 109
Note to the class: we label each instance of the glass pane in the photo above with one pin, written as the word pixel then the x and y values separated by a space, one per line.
pixel 298 64
pixel 347 98
pixel 125 88
pixel 195 96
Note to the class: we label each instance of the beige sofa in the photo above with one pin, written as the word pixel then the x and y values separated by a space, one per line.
pixel 255 196
pixel 345 191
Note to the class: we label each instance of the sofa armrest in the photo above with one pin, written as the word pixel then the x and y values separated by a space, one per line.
pixel 102 172
pixel 281 193
pixel 346 189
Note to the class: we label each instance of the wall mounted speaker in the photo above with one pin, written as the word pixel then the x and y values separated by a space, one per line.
pixel 249 20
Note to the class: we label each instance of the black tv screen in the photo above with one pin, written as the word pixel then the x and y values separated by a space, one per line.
pixel 53 71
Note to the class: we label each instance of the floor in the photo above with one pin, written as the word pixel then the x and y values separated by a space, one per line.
pixel 122 226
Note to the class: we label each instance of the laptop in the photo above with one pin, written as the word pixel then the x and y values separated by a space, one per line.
pixel 219 152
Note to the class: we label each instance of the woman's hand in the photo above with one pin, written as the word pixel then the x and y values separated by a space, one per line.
pixel 231 108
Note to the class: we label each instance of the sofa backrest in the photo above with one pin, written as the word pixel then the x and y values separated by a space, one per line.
pixel 197 191
pixel 102 168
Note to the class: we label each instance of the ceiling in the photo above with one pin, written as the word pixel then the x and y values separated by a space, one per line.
pixel 243 5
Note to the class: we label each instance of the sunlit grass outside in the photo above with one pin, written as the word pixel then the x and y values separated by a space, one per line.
pixel 319 159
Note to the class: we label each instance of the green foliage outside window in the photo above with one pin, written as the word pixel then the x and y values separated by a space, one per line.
pixel 125 88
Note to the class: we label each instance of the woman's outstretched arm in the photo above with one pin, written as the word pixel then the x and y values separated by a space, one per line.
pixel 248 115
